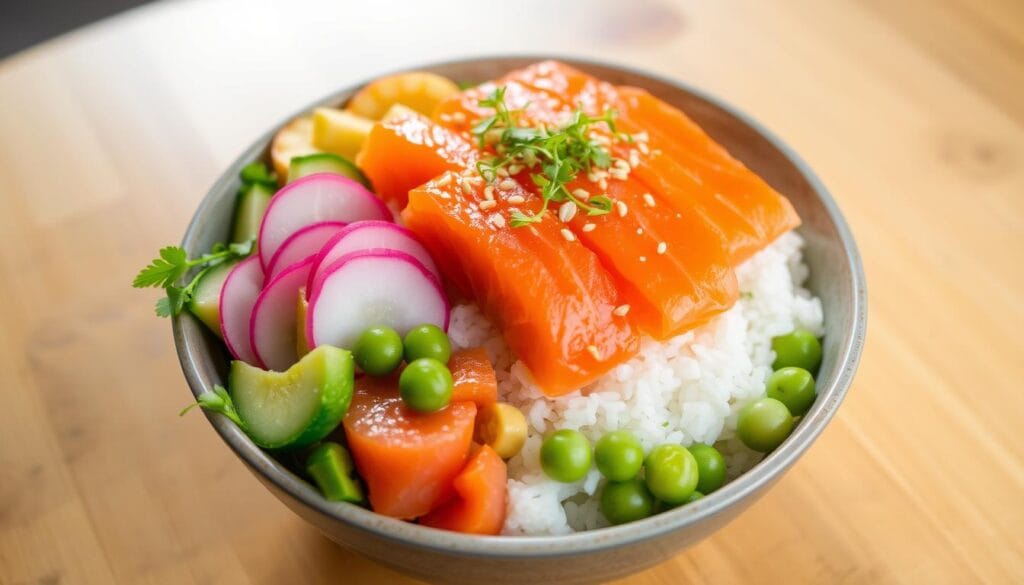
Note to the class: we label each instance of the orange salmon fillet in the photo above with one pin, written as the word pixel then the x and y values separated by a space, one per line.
pixel 550 297
pixel 409 150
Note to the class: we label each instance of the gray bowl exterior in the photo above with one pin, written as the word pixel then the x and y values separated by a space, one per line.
pixel 836 277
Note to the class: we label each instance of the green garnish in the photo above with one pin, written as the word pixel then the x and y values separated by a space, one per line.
pixel 559 154
pixel 257 172
pixel 173 263
pixel 217 401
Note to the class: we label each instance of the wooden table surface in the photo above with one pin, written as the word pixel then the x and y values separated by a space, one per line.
pixel 912 112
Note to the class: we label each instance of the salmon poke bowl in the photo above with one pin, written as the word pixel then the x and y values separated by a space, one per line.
pixel 516 319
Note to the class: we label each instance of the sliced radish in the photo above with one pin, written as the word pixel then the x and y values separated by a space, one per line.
pixel 313 199
pixel 272 324
pixel 369 235
pixel 237 297
pixel 303 244
pixel 373 287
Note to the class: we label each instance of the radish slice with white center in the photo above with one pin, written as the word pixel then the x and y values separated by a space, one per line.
pixel 237 297
pixel 302 244
pixel 313 199
pixel 272 328
pixel 370 288
pixel 368 235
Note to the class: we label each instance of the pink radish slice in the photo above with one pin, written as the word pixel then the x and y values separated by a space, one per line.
pixel 368 235
pixel 313 199
pixel 237 297
pixel 373 287
pixel 272 327
pixel 302 244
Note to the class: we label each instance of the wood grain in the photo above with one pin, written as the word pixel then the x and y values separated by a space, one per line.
pixel 912 113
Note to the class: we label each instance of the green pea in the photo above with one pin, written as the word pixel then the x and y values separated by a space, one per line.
pixel 798 348
pixel 696 495
pixel 426 385
pixel 710 468
pixel 427 341
pixel 626 501
pixel 565 456
pixel 764 424
pixel 671 473
pixel 619 455
pixel 793 387
pixel 378 351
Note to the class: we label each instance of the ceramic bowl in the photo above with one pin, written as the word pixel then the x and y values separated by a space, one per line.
pixel 836 277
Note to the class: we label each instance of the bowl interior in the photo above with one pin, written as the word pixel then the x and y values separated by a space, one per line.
pixel 835 276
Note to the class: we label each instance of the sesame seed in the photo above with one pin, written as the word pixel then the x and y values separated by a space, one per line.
pixel 643 148
pixel 445 180
pixel 534 231
pixel 516 199
pixel 656 152
pixel 445 117
pixel 621 209
pixel 498 220
pixel 567 211
pixel 639 231
pixel 662 247
pixel 569 237
pixel 643 258
pixel 594 351
pixel 622 165
pixel 621 310
pixel 588 227
pixel 649 199
pixel 514 169
pixel 640 137
pixel 603 183
pixel 489 192
pixel 467 187
pixel 507 184
pixel 488 204
pixel 444 195
pixel 458 117
pixel 427 141
pixel 582 194
pixel 634 158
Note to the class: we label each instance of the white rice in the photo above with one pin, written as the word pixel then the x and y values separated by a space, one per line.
pixel 685 390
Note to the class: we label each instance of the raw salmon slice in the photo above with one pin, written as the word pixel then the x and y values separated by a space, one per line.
pixel 551 298
pixel 671 269
pixel 408 150
pixel 687 168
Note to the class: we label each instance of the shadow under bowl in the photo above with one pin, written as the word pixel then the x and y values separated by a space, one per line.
pixel 836 277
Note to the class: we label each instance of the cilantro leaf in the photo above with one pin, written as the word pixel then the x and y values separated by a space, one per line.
pixel 164 270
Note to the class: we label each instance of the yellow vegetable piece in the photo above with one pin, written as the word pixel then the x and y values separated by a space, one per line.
pixel 502 427
pixel 418 90
pixel 340 132
pixel 301 344
pixel 397 111
pixel 295 139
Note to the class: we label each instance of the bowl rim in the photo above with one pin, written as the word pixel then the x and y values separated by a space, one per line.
pixel 201 379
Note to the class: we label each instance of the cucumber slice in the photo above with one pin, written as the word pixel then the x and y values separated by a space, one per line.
pixel 205 302
pixel 325 162
pixel 297 407
pixel 252 202
pixel 330 466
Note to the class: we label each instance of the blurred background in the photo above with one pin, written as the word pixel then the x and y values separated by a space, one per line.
pixel 27 22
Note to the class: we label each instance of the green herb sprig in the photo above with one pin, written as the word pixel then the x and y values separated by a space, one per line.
pixel 559 154
pixel 217 401
pixel 173 263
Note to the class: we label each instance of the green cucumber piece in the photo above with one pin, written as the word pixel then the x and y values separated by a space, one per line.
pixel 324 162
pixel 205 301
pixel 297 407
pixel 252 202
pixel 331 468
